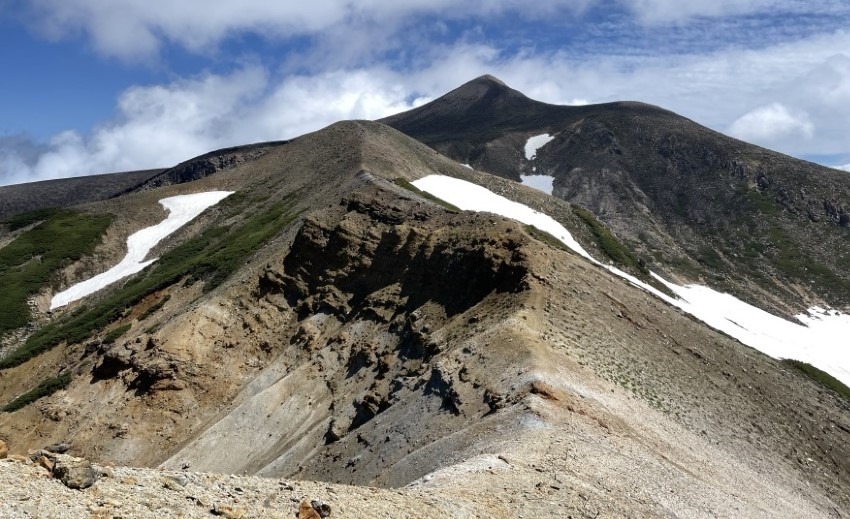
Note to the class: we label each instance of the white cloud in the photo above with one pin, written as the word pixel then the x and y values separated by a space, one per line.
pixel 771 122
pixel 845 167
pixel 654 12
pixel 793 97
pixel 163 125
pixel 158 125
pixel 132 29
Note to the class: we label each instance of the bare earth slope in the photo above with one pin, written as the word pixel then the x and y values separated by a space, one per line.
pixel 448 363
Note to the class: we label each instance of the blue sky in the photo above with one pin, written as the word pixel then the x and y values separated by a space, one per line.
pixel 92 86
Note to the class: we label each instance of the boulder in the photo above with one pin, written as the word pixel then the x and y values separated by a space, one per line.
pixel 306 511
pixel 76 473
pixel 315 509
pixel 4 450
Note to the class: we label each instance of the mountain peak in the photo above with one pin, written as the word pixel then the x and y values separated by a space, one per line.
pixel 483 98
pixel 485 86
pixel 487 78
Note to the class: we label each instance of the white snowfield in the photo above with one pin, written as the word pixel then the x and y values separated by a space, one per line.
pixel 543 183
pixel 535 143
pixel 182 209
pixel 821 338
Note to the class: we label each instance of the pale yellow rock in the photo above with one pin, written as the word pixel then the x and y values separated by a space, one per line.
pixel 306 511
pixel 229 512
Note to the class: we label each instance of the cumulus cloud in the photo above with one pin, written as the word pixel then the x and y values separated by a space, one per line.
pixel 163 125
pixel 845 167
pixel 767 123
pixel 156 126
pixel 792 96
pixel 131 29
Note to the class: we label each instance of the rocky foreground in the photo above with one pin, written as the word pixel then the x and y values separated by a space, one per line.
pixel 50 485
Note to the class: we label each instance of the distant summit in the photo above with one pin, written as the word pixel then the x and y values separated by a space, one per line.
pixel 731 210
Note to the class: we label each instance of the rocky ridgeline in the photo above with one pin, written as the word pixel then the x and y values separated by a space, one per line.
pixel 45 483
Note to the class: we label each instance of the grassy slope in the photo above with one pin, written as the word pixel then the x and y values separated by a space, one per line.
pixel 211 257
pixel 45 388
pixel 29 262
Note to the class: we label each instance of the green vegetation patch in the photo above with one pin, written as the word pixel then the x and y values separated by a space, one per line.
pixel 709 257
pixel 797 263
pixel 45 388
pixel 212 257
pixel 821 377
pixel 611 246
pixel 113 335
pixel 30 261
pixel 763 203
pixel 403 182
pixel 545 237
pixel 30 217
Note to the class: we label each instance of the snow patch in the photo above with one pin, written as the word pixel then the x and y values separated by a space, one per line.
pixel 472 197
pixel 541 182
pixel 535 143
pixel 819 338
pixel 182 209
pixel 466 166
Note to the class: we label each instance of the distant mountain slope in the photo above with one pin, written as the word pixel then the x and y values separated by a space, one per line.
pixel 696 204
pixel 207 164
pixel 330 321
pixel 66 192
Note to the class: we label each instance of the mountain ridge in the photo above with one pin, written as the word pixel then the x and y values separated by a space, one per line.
pixel 696 205
pixel 329 321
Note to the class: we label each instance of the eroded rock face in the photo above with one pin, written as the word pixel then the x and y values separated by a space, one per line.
pixel 381 258
pixel 375 284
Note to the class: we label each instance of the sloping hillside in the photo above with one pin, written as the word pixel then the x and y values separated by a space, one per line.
pixel 330 321
pixel 695 204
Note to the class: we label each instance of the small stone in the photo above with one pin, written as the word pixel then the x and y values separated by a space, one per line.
pixel 173 483
pixel 229 512
pixel 130 480
pixel 323 509
pixel 306 511
pixel 200 501
pixel 76 473
pixel 4 450
pixel 100 512
pixel 45 462
pixel 20 459
pixel 59 448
